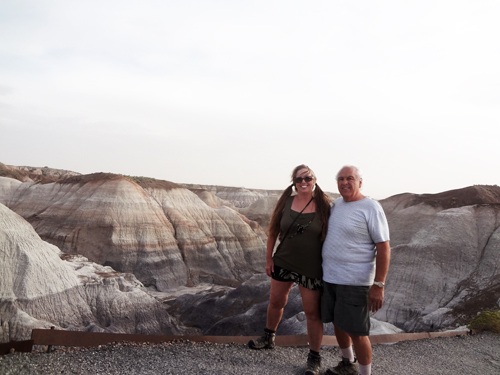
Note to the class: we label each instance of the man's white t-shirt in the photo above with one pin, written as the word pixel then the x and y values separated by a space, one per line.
pixel 349 249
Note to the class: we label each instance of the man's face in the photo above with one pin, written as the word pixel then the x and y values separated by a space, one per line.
pixel 349 184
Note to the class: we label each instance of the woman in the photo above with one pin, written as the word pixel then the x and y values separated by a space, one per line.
pixel 300 222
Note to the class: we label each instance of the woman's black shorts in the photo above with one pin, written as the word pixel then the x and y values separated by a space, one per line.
pixel 282 274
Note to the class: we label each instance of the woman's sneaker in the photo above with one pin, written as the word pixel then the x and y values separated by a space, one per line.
pixel 313 364
pixel 345 367
pixel 266 341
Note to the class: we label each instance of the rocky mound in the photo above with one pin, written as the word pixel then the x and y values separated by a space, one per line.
pixel 468 196
pixel 242 311
pixel 162 233
pixel 38 174
pixel 445 263
pixel 41 287
pixel 261 210
pixel 211 199
pixel 237 197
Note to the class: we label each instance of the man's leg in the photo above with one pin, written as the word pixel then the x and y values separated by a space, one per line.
pixel 362 348
pixel 344 341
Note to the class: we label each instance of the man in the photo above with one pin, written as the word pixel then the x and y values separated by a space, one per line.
pixel 356 255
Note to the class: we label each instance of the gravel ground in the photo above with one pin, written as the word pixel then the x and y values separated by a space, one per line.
pixel 477 354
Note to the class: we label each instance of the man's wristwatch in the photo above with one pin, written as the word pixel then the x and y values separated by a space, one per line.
pixel 380 284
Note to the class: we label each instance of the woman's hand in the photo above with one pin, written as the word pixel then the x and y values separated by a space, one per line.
pixel 269 267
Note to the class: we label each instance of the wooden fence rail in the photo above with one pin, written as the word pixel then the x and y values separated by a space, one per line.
pixel 51 337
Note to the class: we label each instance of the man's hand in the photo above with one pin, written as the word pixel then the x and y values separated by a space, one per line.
pixel 376 296
pixel 375 299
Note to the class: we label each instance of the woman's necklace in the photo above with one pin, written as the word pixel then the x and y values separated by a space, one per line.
pixel 299 227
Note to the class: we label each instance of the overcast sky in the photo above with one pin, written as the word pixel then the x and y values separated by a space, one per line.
pixel 238 93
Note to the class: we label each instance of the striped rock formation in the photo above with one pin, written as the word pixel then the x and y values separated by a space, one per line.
pixel 237 197
pixel 160 232
pixel 42 287
pixel 445 265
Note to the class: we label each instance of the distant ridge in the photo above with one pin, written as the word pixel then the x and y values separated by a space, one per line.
pixel 36 174
pixel 468 196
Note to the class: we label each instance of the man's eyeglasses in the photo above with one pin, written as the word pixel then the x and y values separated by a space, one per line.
pixel 298 180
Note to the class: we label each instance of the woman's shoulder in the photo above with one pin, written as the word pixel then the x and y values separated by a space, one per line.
pixel 289 202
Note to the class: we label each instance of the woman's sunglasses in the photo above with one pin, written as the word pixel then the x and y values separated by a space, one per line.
pixel 298 180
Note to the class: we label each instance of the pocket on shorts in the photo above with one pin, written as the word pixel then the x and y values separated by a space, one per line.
pixel 355 295
pixel 353 317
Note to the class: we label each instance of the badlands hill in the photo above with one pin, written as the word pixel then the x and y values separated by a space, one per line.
pixel 137 233
pixel 40 287
pixel 109 243
pixel 35 174
pixel 239 197
pixel 157 230
pixel 446 257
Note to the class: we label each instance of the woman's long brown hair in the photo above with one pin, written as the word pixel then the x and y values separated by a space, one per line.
pixel 320 198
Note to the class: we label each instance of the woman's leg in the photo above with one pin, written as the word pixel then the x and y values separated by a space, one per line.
pixel 311 302
pixel 277 302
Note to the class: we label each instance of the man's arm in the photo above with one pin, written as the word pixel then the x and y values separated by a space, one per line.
pixel 382 261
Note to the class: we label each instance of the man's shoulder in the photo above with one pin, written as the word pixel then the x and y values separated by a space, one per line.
pixel 365 207
pixel 365 202
pixel 372 202
pixel 372 205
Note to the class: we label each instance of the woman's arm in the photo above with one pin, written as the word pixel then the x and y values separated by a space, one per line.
pixel 271 240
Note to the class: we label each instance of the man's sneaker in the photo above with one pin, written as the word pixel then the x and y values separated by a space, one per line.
pixel 266 341
pixel 345 367
pixel 313 364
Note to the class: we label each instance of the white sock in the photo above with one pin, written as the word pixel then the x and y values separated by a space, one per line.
pixel 365 369
pixel 348 353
